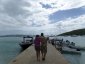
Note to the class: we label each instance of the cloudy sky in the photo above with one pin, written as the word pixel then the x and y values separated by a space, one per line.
pixel 36 16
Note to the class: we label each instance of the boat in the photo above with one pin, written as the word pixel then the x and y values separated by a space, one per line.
pixel 76 47
pixel 27 41
pixel 73 46
pixel 67 50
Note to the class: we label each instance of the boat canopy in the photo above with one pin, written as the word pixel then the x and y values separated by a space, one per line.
pixel 27 37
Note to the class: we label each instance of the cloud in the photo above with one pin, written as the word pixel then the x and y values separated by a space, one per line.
pixel 14 8
pixel 64 14
pixel 71 24
pixel 47 6
pixel 12 14
pixel 33 15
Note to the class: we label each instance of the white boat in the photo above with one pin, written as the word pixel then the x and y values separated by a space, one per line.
pixel 76 47
pixel 27 41
pixel 70 51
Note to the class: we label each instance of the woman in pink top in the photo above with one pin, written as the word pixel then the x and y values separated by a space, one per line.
pixel 37 47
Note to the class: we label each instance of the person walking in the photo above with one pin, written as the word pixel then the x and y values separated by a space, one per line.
pixel 37 47
pixel 43 46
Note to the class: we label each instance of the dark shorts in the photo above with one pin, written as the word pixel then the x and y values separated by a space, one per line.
pixel 37 48
pixel 44 49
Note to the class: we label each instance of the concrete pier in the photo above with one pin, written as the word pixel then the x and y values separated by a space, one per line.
pixel 29 57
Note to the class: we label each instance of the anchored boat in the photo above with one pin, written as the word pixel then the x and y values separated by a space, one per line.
pixel 70 51
pixel 27 41
pixel 77 47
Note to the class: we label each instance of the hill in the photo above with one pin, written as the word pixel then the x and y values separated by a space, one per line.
pixel 17 35
pixel 79 32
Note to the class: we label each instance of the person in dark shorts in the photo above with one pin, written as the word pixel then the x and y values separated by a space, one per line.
pixel 43 46
pixel 37 47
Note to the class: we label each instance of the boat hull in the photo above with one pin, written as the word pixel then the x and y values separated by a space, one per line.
pixel 25 46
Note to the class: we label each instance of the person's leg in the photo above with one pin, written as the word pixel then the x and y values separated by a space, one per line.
pixel 38 55
pixel 44 56
pixel 42 52
pixel 45 52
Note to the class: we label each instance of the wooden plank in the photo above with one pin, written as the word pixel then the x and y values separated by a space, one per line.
pixel 29 57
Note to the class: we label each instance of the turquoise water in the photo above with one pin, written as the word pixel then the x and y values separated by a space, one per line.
pixel 9 48
pixel 76 59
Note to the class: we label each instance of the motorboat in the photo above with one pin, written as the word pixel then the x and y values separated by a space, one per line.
pixel 27 41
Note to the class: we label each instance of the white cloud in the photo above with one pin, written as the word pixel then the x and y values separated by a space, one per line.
pixel 24 14
pixel 71 24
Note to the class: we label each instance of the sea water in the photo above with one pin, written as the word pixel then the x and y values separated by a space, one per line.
pixel 9 48
pixel 74 58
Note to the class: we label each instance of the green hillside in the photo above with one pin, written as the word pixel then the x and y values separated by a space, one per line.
pixel 74 32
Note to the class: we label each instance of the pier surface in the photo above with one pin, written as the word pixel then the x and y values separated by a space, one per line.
pixel 29 57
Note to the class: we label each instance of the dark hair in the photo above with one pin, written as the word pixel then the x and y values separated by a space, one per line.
pixel 37 35
pixel 42 34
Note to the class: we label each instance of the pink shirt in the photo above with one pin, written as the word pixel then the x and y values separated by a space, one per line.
pixel 37 41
